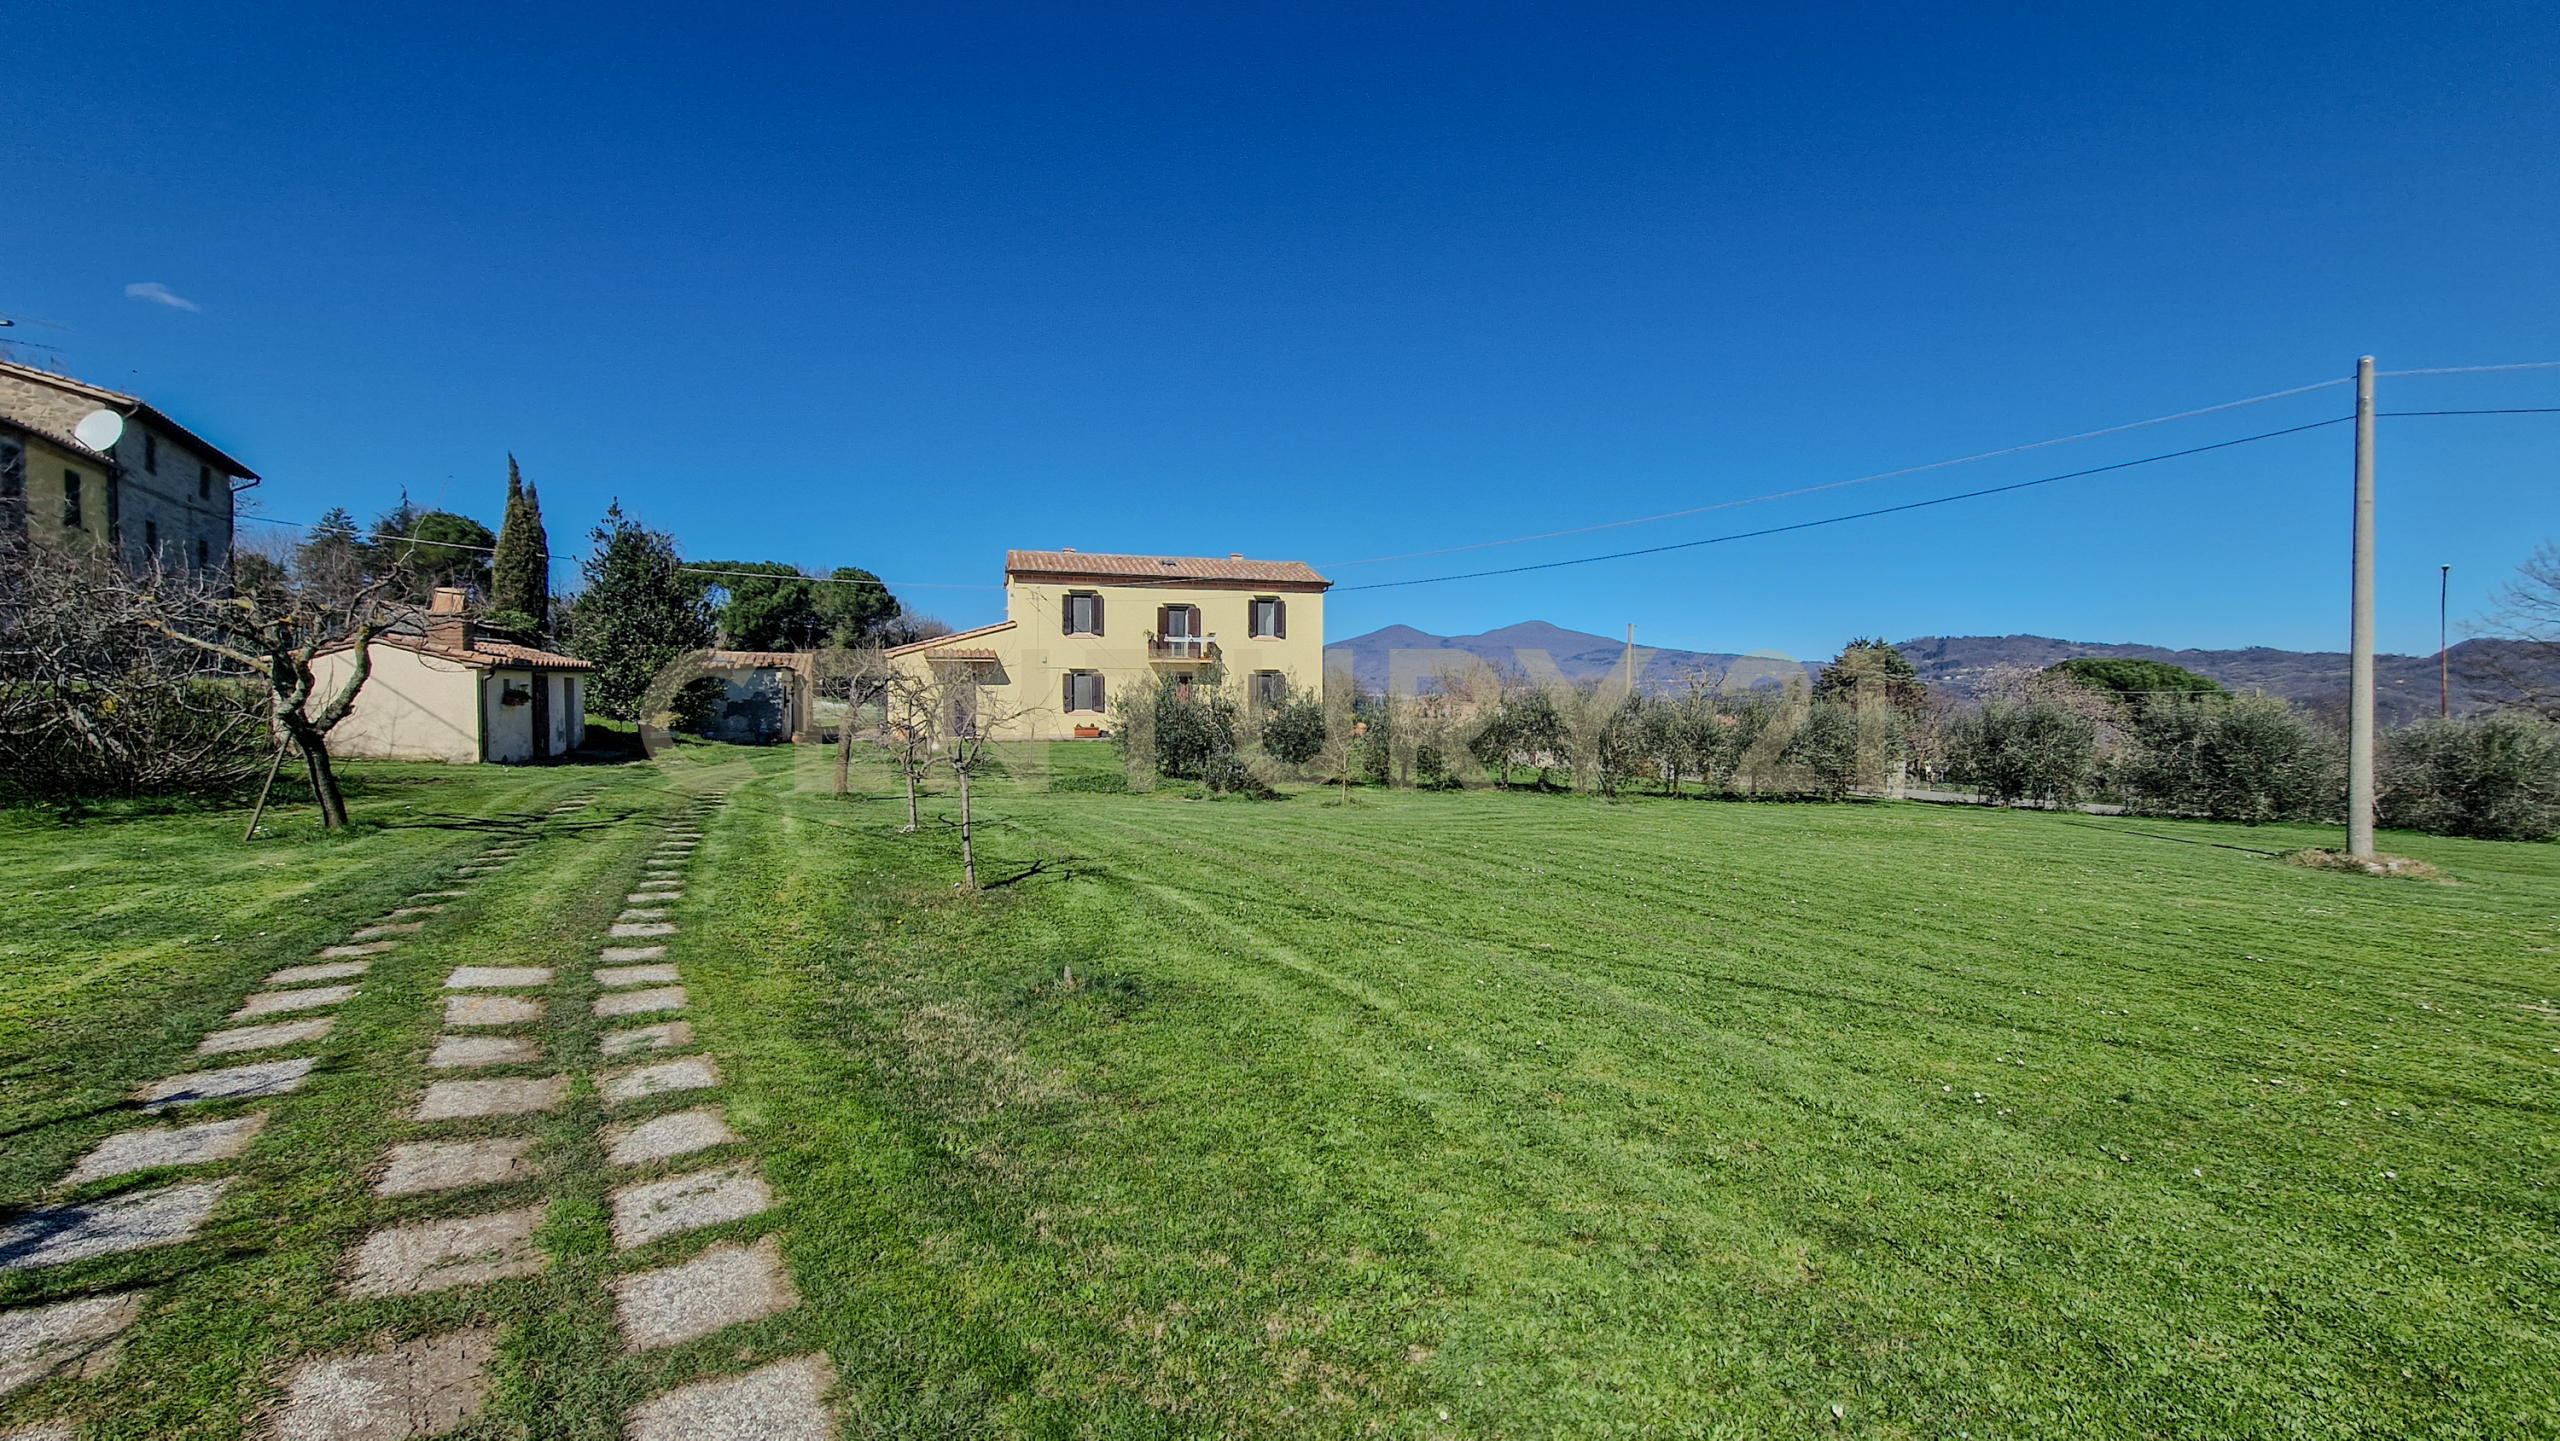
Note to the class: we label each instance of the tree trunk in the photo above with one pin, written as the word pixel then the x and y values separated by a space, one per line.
pixel 968 848
pixel 909 766
pixel 324 778
pixel 844 753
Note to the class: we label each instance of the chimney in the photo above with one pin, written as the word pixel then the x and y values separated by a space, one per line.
pixel 1235 555
pixel 446 622
pixel 1066 550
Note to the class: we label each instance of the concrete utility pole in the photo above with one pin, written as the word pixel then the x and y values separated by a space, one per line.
pixel 2360 643
pixel 2444 661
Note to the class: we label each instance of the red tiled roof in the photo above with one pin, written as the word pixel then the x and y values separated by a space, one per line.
pixel 70 443
pixel 132 405
pixel 940 641
pixel 1167 569
pixel 509 653
pixel 413 630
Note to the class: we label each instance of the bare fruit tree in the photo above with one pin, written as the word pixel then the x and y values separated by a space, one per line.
pixel 971 716
pixel 910 726
pixel 95 700
pixel 2524 671
pixel 274 631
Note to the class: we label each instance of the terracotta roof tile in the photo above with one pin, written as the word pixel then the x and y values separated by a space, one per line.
pixel 938 642
pixel 1164 568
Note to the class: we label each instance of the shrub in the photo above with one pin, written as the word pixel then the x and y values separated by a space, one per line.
pixel 1294 733
pixel 1825 747
pixel 2249 758
pixel 2013 750
pixel 2495 776
pixel 1192 729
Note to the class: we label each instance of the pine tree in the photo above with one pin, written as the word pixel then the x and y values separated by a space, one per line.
pixel 638 612
pixel 520 572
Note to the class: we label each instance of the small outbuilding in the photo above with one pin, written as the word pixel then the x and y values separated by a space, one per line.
pixel 441 692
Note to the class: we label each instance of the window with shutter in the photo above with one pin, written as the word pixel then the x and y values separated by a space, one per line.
pixel 1081 614
pixel 1070 698
pixel 1279 620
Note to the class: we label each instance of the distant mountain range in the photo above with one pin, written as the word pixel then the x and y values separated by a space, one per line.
pixel 1579 654
pixel 2406 684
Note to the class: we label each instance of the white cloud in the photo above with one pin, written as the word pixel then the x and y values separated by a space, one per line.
pixel 154 290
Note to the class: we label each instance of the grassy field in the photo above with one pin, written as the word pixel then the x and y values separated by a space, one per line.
pixel 1446 1115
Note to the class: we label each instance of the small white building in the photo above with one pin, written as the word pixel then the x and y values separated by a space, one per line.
pixel 439 692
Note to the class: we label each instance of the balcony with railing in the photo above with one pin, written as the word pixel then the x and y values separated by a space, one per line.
pixel 1195 649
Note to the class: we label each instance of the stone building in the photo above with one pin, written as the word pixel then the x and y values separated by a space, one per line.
pixel 158 490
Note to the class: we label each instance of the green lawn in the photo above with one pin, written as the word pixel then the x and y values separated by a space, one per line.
pixel 1434 1115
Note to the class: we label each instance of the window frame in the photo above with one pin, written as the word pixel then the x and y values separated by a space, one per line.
pixel 150 453
pixel 1086 685
pixel 74 507
pixel 1279 627
pixel 1093 618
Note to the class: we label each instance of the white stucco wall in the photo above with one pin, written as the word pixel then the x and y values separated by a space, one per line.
pixel 509 728
pixel 412 707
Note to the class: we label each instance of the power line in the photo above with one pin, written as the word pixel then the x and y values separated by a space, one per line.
pixel 2519 410
pixel 1861 480
pixel 1861 515
pixel 2474 369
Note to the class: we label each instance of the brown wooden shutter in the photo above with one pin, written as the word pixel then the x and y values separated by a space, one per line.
pixel 1164 621
pixel 1195 621
pixel 1097 692
pixel 1071 690
pixel 1279 620
pixel 1067 616
pixel 1097 612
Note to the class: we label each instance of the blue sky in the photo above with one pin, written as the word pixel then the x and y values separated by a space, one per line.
pixel 902 287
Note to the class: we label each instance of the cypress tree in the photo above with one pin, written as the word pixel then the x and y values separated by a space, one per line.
pixel 520 572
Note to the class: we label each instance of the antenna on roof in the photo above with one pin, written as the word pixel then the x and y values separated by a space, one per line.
pixel 11 345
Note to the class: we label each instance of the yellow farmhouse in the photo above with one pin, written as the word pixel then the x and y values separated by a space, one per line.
pixel 1080 630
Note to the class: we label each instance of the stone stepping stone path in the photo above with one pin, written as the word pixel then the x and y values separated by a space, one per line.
pixel 683 1299
pixel 723 1287
pixel 423 1388
pixel 75 1337
pixel 785 1401
pixel 236 1083
pixel 156 1146
pixel 58 1235
pixel 441 1255
pixel 680 1279
pixel 417 1389
pixel 265 1038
